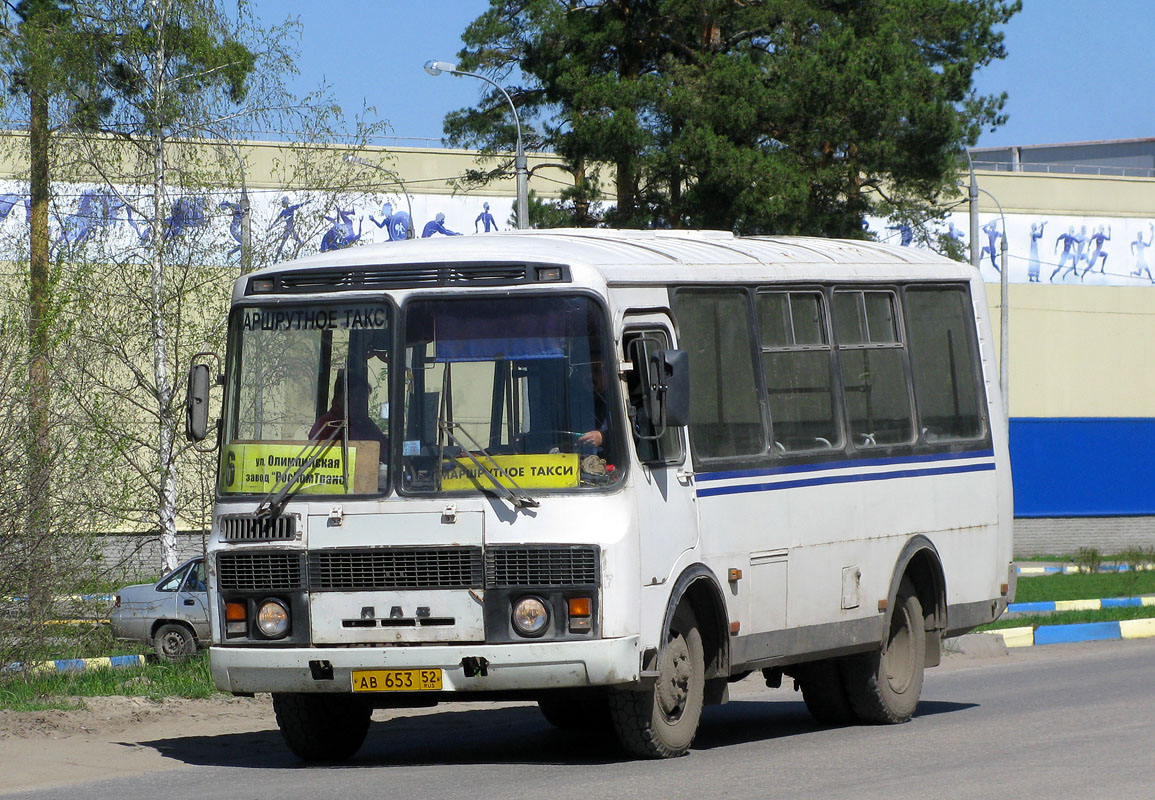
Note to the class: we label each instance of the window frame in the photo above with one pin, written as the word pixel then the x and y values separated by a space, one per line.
pixel 753 460
pixel 837 394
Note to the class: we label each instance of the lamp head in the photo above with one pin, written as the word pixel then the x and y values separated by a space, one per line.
pixel 435 68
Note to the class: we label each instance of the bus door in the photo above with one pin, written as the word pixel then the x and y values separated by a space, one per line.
pixel 664 486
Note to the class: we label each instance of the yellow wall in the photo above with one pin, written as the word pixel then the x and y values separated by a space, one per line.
pixel 1079 351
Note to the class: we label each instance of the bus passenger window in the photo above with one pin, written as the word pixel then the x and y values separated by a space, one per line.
pixel 797 363
pixel 873 374
pixel 725 412
pixel 943 363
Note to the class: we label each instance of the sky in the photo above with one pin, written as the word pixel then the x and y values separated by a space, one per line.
pixel 1076 70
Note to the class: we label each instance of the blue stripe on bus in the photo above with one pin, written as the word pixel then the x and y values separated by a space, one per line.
pixel 845 464
pixel 832 479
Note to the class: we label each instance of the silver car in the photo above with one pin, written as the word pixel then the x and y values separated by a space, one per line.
pixel 171 615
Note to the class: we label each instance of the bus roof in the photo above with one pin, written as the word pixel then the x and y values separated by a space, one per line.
pixel 629 256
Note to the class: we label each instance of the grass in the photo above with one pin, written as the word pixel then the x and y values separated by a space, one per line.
pixel 1072 618
pixel 53 690
pixel 1084 587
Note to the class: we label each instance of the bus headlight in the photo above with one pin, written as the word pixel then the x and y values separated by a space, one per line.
pixel 273 618
pixel 530 616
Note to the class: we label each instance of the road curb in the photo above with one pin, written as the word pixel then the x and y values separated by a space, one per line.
pixel 1046 606
pixel 1074 569
pixel 78 664
pixel 1029 636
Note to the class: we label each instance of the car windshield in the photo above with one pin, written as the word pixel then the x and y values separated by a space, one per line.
pixel 507 390
pixel 308 404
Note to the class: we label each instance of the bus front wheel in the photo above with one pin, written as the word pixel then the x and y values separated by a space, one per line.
pixel 661 722
pixel 884 686
pixel 322 727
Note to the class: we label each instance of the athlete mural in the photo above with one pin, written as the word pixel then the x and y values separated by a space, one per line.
pixel 1102 251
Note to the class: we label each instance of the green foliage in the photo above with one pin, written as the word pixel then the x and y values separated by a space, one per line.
pixel 1088 559
pixel 791 116
pixel 37 691
pixel 1084 587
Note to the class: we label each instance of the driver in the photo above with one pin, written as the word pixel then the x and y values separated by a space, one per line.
pixel 596 438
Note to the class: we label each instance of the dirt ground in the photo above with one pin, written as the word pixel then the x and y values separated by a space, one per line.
pixel 102 739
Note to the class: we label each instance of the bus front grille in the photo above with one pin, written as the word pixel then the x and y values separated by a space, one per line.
pixel 258 572
pixel 245 528
pixel 509 567
pixel 395 568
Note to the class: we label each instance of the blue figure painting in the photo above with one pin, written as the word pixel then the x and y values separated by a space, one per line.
pixel 188 213
pixel 10 201
pixel 94 210
pixel 954 232
pixel 288 219
pixel 1098 253
pixel 1068 240
pixel 341 234
pixel 992 232
pixel 396 224
pixel 905 233
pixel 437 226
pixel 142 228
pixel 1138 249
pixel 486 219
pixel 1033 265
pixel 235 224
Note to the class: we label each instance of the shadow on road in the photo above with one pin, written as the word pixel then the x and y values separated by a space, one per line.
pixel 501 736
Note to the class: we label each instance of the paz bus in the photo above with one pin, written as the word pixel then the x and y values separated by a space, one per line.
pixel 607 471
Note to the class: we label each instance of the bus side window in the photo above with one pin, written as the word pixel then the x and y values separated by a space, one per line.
pixel 667 448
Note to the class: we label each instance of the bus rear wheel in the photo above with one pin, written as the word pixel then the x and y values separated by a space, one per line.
pixel 322 727
pixel 883 687
pixel 661 722
pixel 824 692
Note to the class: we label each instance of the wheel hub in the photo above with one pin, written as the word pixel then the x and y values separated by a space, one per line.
pixel 674 678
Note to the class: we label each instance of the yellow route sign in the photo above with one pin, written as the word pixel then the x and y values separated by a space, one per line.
pixel 547 471
pixel 253 468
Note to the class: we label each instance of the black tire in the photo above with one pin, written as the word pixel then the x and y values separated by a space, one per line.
pixel 824 692
pixel 322 727
pixel 661 722
pixel 174 642
pixel 576 711
pixel 883 687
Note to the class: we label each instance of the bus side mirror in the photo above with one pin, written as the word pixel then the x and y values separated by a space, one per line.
pixel 196 403
pixel 669 389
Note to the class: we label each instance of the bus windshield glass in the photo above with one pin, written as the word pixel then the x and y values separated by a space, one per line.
pixel 308 406
pixel 509 391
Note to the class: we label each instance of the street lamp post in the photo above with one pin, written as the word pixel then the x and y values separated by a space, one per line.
pixel 352 159
pixel 519 161
pixel 1004 287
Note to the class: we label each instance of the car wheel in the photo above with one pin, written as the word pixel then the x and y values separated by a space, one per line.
pixel 174 642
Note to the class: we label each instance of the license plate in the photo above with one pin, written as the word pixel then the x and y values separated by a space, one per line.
pixel 396 680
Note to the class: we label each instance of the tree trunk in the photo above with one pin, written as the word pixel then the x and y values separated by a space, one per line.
pixel 39 523
pixel 166 459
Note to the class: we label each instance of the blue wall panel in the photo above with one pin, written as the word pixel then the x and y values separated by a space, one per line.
pixel 1083 467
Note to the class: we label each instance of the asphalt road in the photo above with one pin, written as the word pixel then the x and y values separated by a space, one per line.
pixel 1043 722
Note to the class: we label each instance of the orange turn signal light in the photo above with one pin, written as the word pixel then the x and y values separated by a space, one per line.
pixel 579 606
pixel 234 611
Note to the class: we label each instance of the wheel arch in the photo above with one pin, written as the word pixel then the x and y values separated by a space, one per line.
pixel 698 586
pixel 920 562
pixel 160 623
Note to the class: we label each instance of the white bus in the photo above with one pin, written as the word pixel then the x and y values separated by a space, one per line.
pixel 611 472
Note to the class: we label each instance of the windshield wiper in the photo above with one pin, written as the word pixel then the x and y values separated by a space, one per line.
pixel 519 498
pixel 274 502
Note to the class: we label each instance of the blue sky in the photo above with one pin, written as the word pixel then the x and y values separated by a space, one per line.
pixel 1077 70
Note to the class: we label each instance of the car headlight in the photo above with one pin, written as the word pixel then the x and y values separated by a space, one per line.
pixel 530 616
pixel 273 618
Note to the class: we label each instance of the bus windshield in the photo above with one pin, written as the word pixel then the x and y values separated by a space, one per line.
pixel 510 390
pixel 308 406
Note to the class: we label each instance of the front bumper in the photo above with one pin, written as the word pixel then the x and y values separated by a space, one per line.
pixel 510 667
